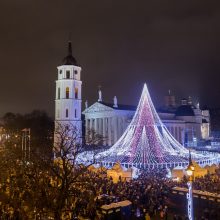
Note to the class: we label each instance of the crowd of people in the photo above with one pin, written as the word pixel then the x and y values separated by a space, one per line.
pixel 209 183
pixel 149 194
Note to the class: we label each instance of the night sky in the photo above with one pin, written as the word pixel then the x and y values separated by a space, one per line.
pixel 119 45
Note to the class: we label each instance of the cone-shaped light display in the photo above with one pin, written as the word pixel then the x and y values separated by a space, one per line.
pixel 147 140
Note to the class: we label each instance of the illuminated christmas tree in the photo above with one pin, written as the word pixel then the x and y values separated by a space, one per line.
pixel 147 140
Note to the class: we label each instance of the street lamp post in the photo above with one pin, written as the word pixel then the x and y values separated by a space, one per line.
pixel 190 170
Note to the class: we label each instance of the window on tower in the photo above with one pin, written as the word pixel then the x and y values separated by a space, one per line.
pixel 60 71
pixel 67 74
pixel 76 93
pixel 75 113
pixel 67 92
pixel 58 93
pixel 67 113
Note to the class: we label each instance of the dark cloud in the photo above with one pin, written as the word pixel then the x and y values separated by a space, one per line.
pixel 119 44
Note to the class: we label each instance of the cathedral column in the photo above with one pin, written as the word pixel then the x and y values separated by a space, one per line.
pixel 120 126
pixel 109 132
pixel 115 129
pixel 87 124
pixel 174 133
pixel 103 131
pixel 183 130
pixel 171 130
pixel 124 125
pixel 177 129
pixel 178 136
pixel 99 126
pixel 96 126
pixel 91 124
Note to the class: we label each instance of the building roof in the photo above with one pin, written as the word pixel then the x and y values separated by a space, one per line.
pixel 69 59
pixel 120 107
pixel 185 110
pixel 165 109
pixel 180 111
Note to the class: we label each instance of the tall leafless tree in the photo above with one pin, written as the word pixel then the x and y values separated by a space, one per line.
pixel 45 184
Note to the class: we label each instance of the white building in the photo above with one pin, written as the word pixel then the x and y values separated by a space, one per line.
pixel 68 92
pixel 186 123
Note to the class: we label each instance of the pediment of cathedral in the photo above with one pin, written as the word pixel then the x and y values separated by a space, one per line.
pixel 97 107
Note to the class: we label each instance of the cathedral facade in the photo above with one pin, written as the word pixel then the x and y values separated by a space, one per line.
pixel 186 122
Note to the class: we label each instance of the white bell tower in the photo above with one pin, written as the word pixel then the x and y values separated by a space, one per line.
pixel 68 92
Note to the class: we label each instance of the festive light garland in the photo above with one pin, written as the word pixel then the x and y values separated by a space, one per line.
pixel 189 197
pixel 147 140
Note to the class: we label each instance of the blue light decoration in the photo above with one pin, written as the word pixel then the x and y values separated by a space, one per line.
pixel 147 143
pixel 189 196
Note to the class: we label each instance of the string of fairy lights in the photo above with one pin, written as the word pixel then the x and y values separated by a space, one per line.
pixel 147 140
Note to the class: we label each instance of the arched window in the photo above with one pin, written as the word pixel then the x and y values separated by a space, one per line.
pixel 76 93
pixel 75 113
pixel 67 113
pixel 58 93
pixel 67 92
pixel 67 74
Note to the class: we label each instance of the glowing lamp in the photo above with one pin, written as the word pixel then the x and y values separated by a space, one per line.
pixel 190 169
pixel 189 172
